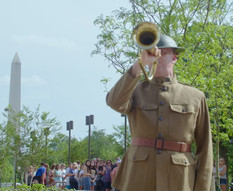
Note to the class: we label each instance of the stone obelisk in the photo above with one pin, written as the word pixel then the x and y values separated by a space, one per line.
pixel 15 99
pixel 15 84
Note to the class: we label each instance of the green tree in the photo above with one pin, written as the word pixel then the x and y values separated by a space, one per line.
pixel 58 149
pixel 102 146
pixel 24 138
pixel 6 168
pixel 119 134
pixel 36 130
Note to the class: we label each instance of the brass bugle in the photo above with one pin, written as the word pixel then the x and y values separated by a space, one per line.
pixel 145 36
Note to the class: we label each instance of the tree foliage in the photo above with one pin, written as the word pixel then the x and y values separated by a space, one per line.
pixel 101 146
pixel 25 137
pixel 119 134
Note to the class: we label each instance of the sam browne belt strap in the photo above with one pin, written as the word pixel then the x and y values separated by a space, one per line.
pixel 161 144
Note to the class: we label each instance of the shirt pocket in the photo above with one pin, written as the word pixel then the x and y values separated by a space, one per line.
pixel 145 115
pixel 182 121
pixel 183 160
pixel 182 174
pixel 137 168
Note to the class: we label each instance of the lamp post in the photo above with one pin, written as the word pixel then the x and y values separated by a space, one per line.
pixel 69 126
pixel 125 116
pixel 89 121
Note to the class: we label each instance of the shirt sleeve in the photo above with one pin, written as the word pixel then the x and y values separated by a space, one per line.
pixel 43 170
pixel 119 97
pixel 204 152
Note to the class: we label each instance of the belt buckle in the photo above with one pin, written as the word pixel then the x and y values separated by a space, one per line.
pixel 183 147
pixel 159 149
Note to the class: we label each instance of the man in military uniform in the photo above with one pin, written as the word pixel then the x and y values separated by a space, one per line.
pixel 165 118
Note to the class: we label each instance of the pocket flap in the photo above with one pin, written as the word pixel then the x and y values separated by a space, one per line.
pixel 139 156
pixel 182 108
pixel 148 107
pixel 181 159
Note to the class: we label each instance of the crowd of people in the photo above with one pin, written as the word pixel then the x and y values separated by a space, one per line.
pixel 95 175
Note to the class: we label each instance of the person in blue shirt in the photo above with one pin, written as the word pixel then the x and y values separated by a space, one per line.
pixel 73 176
pixel 40 174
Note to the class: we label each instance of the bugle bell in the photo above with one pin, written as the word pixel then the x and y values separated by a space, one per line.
pixel 145 36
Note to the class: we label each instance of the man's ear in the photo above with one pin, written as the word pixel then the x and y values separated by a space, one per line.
pixel 174 59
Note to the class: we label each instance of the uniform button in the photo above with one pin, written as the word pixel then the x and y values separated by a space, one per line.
pixel 161 103
pixel 160 118
pixel 163 88
pixel 168 79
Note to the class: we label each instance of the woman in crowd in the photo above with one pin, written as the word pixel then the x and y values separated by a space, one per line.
pixel 63 171
pixel 93 175
pixel 222 173
pixel 107 175
pixel 58 176
pixel 99 180
pixel 30 175
pixel 73 177
pixel 51 175
pixel 46 178
pixel 81 176
pixel 79 165
pixel 87 176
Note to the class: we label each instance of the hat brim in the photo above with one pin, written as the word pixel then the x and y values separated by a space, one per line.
pixel 177 49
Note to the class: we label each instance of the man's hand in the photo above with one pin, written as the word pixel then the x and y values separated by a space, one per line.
pixel 148 57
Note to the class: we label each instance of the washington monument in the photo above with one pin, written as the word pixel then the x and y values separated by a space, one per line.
pixel 15 84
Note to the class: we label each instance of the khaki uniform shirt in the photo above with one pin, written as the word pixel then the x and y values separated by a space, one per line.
pixel 174 111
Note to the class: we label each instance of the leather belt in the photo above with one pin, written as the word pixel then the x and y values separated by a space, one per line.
pixel 161 144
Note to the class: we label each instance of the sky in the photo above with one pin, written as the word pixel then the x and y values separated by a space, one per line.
pixel 54 40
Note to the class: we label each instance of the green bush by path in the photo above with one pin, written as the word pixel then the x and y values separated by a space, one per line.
pixel 35 187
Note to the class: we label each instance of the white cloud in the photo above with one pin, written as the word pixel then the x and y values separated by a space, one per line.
pixel 33 80
pixel 62 43
pixel 5 80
